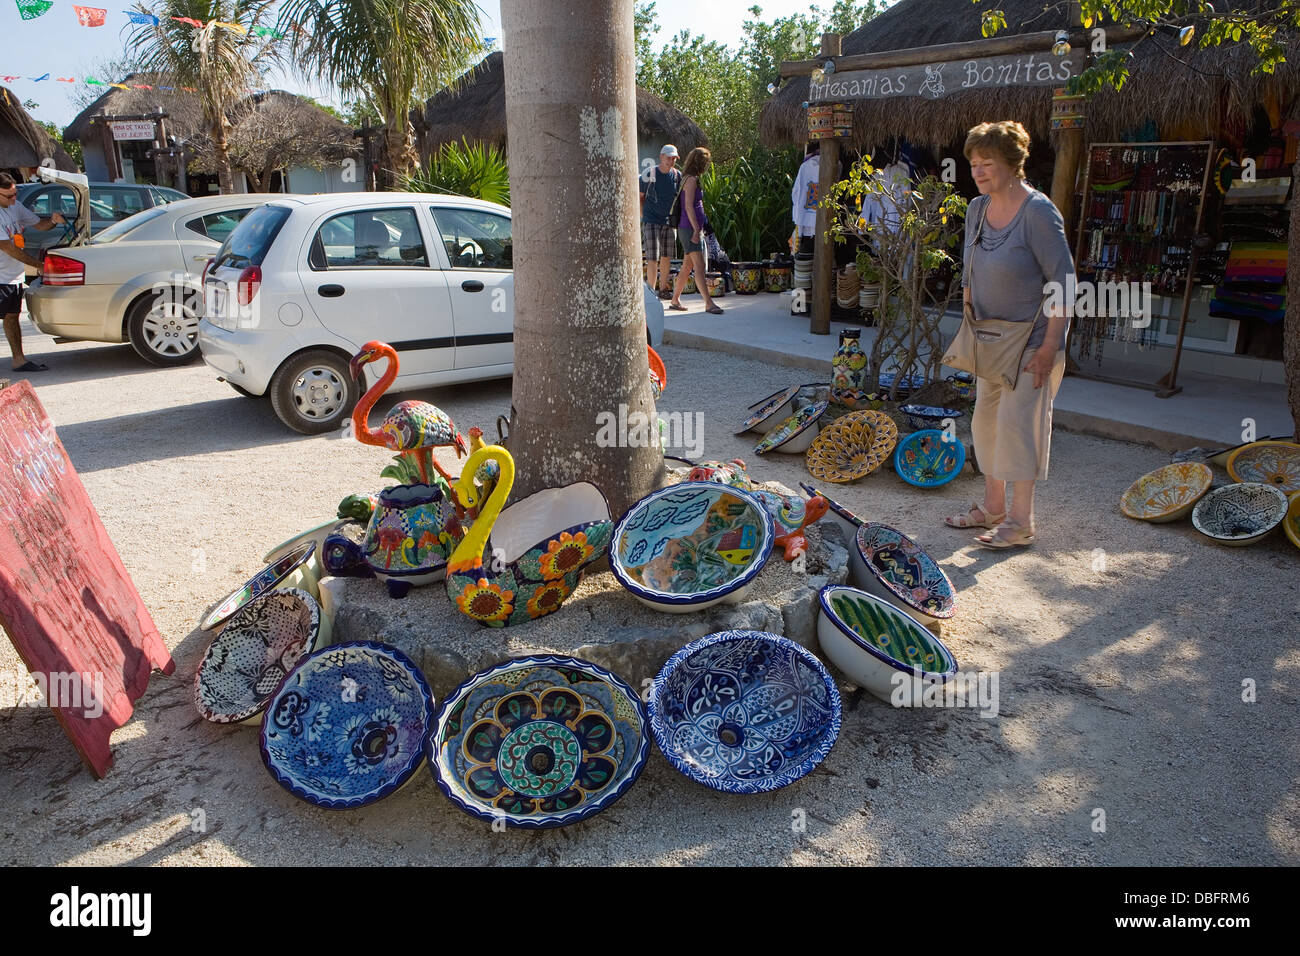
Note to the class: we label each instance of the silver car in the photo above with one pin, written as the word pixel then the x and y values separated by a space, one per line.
pixel 140 280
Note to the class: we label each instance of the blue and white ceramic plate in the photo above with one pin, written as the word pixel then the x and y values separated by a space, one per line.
pixel 540 741
pixel 260 583
pixel 1240 514
pixel 744 711
pixel 928 416
pixel 347 726
pixel 925 460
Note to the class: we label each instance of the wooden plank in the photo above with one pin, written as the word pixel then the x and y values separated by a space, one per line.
pixel 66 601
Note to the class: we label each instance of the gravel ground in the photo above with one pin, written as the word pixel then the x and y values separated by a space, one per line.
pixel 1121 649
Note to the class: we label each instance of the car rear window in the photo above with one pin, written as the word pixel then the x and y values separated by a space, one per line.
pixel 121 228
pixel 252 238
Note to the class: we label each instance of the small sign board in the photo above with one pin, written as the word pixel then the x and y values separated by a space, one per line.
pixel 66 601
pixel 133 129
pixel 935 80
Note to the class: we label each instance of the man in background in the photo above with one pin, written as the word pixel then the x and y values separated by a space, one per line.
pixel 14 260
pixel 659 188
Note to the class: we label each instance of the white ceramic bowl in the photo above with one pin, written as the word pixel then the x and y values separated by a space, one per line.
pixel 1240 514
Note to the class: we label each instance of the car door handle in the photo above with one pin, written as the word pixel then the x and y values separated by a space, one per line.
pixel 200 258
pixel 472 285
pixel 331 291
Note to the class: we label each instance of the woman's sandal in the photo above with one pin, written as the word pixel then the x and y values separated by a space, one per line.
pixel 1007 535
pixel 968 520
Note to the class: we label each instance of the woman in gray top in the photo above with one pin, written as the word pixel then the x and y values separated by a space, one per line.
pixel 1018 255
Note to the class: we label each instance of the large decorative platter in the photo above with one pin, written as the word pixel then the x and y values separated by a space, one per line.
pixel 541 741
pixel 259 645
pixel 852 447
pixel 923 459
pixel 347 726
pixel 892 566
pixel 1291 523
pixel 293 565
pixel 1240 514
pixel 1168 493
pixel 744 711
pixel 796 433
pixel 775 407
pixel 1275 463
pixel 922 417
pixel 691 545
pixel 879 647
pixel 842 516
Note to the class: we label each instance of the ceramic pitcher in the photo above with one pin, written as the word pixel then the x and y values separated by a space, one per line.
pixel 413 531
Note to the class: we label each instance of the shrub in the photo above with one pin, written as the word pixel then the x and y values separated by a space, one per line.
pixel 477 171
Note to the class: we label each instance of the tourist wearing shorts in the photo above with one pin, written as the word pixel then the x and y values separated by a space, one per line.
pixel 692 226
pixel 659 188
pixel 14 218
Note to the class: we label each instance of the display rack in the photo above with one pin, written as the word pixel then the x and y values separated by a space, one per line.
pixel 1142 209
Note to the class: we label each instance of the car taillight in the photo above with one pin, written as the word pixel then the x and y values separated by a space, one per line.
pixel 207 267
pixel 247 284
pixel 60 270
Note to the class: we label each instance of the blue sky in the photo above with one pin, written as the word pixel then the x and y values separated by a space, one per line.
pixel 57 44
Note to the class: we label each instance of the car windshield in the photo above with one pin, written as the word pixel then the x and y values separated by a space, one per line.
pixel 122 227
pixel 252 238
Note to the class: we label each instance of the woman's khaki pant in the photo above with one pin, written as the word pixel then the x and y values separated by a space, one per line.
pixel 1012 428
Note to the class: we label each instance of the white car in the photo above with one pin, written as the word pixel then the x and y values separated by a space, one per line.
pixel 304 282
pixel 138 280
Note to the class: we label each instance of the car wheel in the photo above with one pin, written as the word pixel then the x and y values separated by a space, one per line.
pixel 313 392
pixel 163 330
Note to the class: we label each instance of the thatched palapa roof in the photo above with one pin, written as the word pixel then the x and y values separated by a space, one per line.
pixel 474 108
pixel 1191 93
pixel 184 113
pixel 23 143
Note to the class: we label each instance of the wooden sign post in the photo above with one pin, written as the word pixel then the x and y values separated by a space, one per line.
pixel 66 601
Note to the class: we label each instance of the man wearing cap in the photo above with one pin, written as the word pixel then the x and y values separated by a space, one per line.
pixel 659 188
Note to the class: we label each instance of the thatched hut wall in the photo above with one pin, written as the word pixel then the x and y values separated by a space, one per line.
pixel 23 143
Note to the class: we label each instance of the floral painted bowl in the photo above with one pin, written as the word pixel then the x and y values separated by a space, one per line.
pixel 921 417
pixel 1291 523
pixel 905 387
pixel 893 567
pixel 292 570
pixel 880 648
pixel 1168 493
pixel 346 727
pixel 690 546
pixel 776 407
pixel 796 433
pixel 1275 463
pixel 848 522
pixel 260 643
pixel 541 741
pixel 925 460
pixel 852 447
pixel 744 711
pixel 1240 514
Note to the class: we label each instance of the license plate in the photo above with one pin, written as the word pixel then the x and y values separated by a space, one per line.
pixel 217 306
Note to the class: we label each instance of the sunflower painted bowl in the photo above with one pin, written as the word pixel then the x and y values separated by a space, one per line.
pixel 744 711
pixel 794 435
pixel 346 727
pixel 880 648
pixel 893 567
pixel 1291 523
pixel 541 741
pixel 292 570
pixel 921 417
pixel 691 546
pixel 852 447
pixel 925 460
pixel 776 407
pixel 1240 514
pixel 1168 493
pixel 246 661
pixel 1275 463
pixel 847 521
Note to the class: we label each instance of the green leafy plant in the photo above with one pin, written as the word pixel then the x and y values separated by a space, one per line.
pixel 868 268
pixel 748 202
pixel 477 171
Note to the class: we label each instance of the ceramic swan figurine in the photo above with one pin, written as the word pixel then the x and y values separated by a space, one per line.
pixel 541 545
pixel 411 428
pixel 487 474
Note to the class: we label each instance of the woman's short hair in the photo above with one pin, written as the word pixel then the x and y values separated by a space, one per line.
pixel 1007 140
pixel 697 161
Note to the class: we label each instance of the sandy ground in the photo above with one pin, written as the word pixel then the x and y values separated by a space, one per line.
pixel 1121 650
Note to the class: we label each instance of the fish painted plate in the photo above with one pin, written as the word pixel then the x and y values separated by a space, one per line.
pixel 852 447
pixel 923 459
pixel 1275 463
pixel 1168 493
pixel 540 741
pixel 796 433
pixel 744 711
pixel 347 726
pixel 778 403
pixel 294 564
pixel 1240 514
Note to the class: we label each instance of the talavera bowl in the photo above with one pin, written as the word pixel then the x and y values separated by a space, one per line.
pixel 922 417
pixel 259 645
pixel 1275 463
pixel 852 447
pixel 878 647
pixel 744 711
pixel 690 546
pixel 776 407
pixel 924 460
pixel 796 433
pixel 541 741
pixel 893 567
pixel 346 727
pixel 1168 493
pixel 315 534
pixel 1240 514
pixel 291 570
pixel 1291 523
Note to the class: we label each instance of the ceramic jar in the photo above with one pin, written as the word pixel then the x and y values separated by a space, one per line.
pixel 411 534
pixel 748 277
pixel 849 370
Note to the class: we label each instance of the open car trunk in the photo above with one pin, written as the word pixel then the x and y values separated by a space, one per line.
pixel 79 183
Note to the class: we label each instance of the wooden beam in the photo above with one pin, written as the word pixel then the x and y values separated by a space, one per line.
pixel 823 247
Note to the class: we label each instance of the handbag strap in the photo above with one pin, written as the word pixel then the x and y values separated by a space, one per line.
pixel 970 254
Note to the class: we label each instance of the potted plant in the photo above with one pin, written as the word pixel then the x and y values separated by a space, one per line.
pixel 869 276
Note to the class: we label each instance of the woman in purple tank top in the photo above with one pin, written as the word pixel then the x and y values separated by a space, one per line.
pixel 690 228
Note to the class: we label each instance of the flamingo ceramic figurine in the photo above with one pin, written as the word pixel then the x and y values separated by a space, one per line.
pixel 409 428
pixel 542 544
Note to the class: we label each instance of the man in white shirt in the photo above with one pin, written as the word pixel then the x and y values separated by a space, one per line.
pixel 14 260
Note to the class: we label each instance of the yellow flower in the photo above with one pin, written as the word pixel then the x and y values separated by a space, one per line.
pixel 862 223
pixel 486 602
pixel 565 554
pixel 547 598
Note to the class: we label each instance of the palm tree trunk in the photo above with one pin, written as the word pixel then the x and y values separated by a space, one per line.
pixel 221 155
pixel 580 332
pixel 399 143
